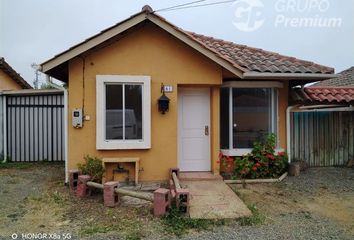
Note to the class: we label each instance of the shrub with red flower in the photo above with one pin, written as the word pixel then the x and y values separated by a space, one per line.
pixel 262 162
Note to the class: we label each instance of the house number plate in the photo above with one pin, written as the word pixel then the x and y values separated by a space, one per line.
pixel 168 88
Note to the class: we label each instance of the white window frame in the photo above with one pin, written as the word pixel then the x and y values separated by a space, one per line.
pixel 275 116
pixel 105 144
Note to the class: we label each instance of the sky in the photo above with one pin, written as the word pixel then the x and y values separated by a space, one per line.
pixel 316 30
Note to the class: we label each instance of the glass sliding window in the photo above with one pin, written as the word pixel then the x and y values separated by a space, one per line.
pixel 252 115
pixel 114 111
pixel 123 111
pixel 133 111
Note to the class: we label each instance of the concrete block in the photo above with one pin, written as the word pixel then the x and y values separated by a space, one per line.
pixel 73 178
pixel 183 200
pixel 162 201
pixel 110 198
pixel 82 189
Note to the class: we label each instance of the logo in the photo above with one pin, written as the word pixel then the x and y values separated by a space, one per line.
pixel 248 15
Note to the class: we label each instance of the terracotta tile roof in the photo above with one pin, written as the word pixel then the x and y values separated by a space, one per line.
pixel 346 78
pixel 330 94
pixel 13 74
pixel 340 89
pixel 241 57
pixel 258 60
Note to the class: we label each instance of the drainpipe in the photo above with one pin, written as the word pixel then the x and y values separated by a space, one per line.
pixel 4 115
pixel 288 137
pixel 50 83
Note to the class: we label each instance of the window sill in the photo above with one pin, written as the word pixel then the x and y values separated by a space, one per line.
pixel 114 145
pixel 242 151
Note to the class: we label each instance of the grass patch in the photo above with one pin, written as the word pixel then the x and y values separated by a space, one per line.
pixel 257 217
pixel 94 229
pixel 26 165
pixel 58 198
pixel 13 181
pixel 127 229
pixel 176 223
pixel 14 165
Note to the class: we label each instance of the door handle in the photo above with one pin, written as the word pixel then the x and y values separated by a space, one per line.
pixel 206 130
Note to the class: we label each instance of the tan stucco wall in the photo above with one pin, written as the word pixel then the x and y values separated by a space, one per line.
pixel 147 51
pixel 7 83
pixel 282 105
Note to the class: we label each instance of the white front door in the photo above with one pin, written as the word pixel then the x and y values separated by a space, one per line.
pixel 194 129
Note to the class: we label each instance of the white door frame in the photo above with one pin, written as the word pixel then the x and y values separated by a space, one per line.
pixel 205 163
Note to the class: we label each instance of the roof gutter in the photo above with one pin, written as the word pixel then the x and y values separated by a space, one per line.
pixel 289 76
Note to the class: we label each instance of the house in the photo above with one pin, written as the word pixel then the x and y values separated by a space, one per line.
pixel 222 96
pixel 322 122
pixel 338 90
pixel 10 79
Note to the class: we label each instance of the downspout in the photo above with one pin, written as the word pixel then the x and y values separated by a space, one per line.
pixel 65 124
pixel 4 115
pixel 288 137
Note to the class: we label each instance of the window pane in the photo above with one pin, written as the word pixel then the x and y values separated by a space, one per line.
pixel 133 111
pixel 251 116
pixel 114 112
pixel 224 118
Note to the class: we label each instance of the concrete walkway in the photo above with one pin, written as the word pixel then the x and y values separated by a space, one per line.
pixel 213 199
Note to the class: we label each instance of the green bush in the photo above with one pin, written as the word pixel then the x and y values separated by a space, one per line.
pixel 262 162
pixel 93 167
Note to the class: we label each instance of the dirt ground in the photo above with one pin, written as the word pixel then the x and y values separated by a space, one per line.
pixel 34 200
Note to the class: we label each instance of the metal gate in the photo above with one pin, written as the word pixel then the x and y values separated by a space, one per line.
pixel 322 138
pixel 35 126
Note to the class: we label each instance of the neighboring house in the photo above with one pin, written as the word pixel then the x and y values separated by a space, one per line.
pixel 223 97
pixel 10 79
pixel 338 90
pixel 322 122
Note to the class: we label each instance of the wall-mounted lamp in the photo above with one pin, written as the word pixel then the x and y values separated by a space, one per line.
pixel 163 101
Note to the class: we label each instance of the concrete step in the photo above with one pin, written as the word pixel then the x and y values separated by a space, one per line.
pixel 198 176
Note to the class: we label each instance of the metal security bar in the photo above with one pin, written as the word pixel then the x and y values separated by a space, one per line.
pixel 35 127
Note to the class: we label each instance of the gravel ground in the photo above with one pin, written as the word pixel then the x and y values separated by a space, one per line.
pixel 292 226
pixel 290 217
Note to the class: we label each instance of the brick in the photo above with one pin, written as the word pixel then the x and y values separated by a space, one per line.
pixel 73 179
pixel 162 201
pixel 183 200
pixel 110 198
pixel 175 170
pixel 82 189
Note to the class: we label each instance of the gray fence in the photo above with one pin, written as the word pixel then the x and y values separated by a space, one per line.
pixel 322 138
pixel 35 126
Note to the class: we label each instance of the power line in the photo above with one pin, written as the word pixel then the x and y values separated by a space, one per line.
pixel 199 5
pixel 180 5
